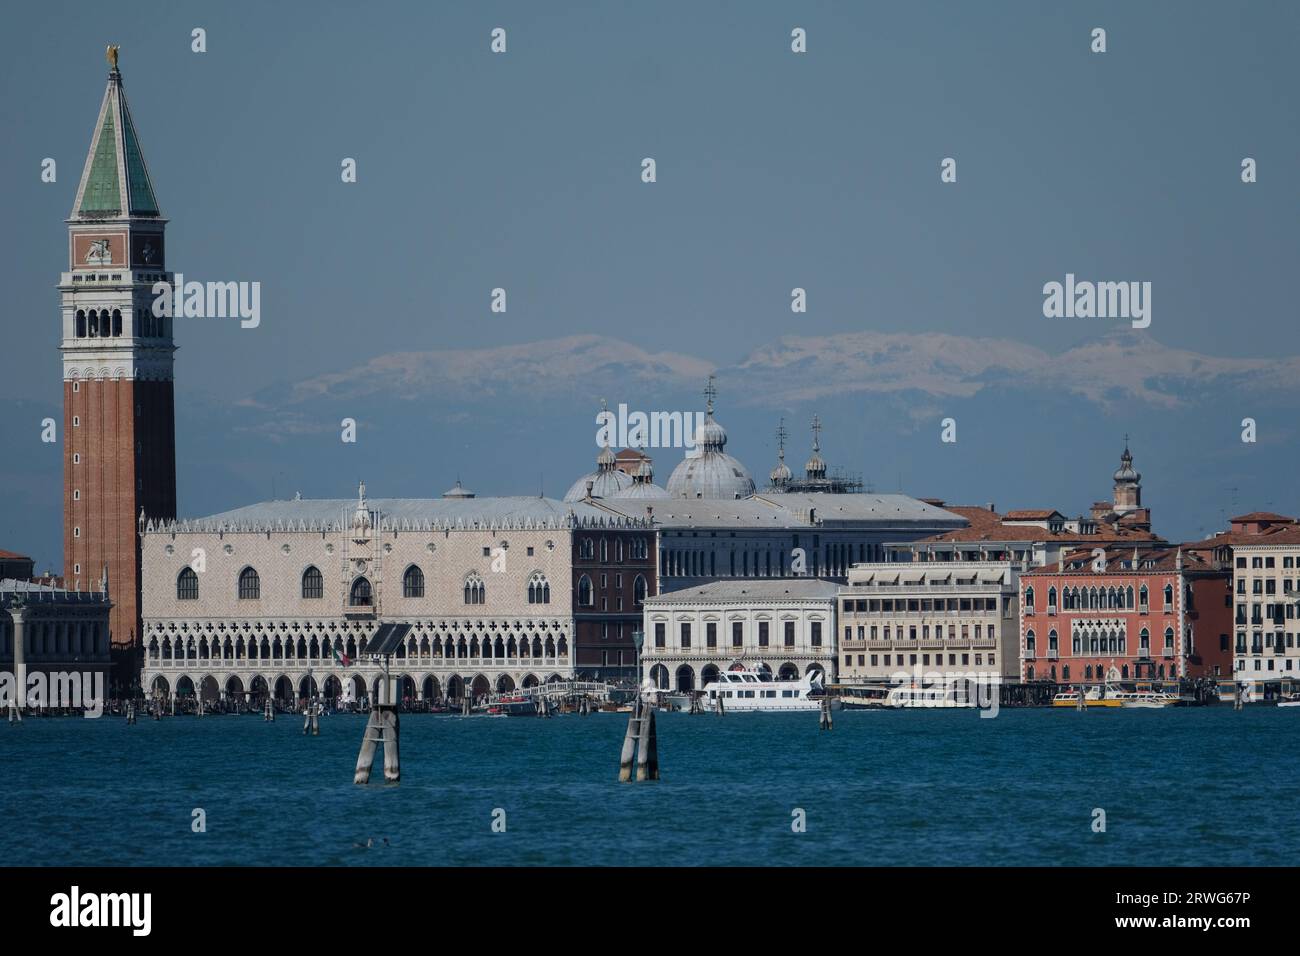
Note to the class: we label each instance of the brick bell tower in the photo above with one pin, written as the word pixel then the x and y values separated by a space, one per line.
pixel 119 436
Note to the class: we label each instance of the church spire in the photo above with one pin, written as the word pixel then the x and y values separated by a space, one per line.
pixel 115 182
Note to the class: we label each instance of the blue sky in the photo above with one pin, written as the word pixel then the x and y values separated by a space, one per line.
pixel 775 170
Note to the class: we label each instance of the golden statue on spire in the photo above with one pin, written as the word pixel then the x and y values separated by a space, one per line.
pixel 111 54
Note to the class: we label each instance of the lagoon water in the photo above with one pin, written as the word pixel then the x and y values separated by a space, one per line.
pixel 1194 786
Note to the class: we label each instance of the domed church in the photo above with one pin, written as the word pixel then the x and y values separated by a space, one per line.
pixel 710 472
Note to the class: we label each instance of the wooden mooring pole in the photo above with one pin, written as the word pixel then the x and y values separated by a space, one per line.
pixel 640 745
pixel 825 723
pixel 382 727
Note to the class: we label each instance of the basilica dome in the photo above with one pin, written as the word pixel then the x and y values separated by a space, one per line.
pixel 643 484
pixel 711 472
pixel 606 481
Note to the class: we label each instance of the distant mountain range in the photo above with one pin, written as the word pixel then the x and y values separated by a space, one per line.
pixel 1034 429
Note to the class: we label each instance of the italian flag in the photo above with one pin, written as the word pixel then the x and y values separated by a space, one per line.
pixel 341 659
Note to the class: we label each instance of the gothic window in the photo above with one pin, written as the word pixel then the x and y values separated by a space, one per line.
pixel 638 591
pixel 1051 598
pixel 313 585
pixel 1143 597
pixel 117 322
pixel 1169 595
pixel 1169 638
pixel 81 323
pixel 604 550
pixel 187 585
pixel 1029 598
pixel 250 585
pixel 1030 640
pixel 584 591
pixel 1144 639
pixel 587 549
pixel 413 582
pixel 361 595
pixel 539 589
pixel 1051 640
pixel 94 323
pixel 475 589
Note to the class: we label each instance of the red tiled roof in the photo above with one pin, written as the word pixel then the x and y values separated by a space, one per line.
pixel 11 555
pixel 1032 514
pixel 988 525
pixel 1161 559
pixel 1282 534
pixel 1262 516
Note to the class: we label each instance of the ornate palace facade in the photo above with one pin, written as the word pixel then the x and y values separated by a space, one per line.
pixel 281 597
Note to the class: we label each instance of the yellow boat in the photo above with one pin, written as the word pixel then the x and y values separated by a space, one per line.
pixel 1094 696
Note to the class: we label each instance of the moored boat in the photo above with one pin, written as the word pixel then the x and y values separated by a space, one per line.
pixel 742 688
pixel 1095 696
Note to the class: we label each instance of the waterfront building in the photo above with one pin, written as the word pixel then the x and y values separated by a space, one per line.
pixel 118 431
pixel 1124 614
pixel 955 616
pixel 60 631
pixel 1261 550
pixel 785 626
pixel 281 598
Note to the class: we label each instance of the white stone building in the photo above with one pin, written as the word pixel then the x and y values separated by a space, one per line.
pixel 951 616
pixel 694 633
pixel 281 597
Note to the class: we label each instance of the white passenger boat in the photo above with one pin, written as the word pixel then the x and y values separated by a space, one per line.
pixel 939 694
pixel 741 688
pixel 1147 697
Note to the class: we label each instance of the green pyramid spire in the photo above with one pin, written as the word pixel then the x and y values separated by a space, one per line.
pixel 115 182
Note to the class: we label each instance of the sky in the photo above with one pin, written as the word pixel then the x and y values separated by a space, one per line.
pixel 775 170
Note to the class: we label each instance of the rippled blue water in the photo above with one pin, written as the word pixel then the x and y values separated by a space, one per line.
pixel 1186 786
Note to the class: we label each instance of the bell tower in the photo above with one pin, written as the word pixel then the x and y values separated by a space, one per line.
pixel 119 441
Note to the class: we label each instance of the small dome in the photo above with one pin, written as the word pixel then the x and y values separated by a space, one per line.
pixel 711 434
pixel 604 484
pixel 710 472
pixel 643 490
pixel 1125 472
pixel 780 474
pixel 815 467
pixel 606 458
pixel 643 484
pixel 457 491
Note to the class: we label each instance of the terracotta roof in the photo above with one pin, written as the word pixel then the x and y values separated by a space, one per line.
pixel 1032 514
pixel 630 454
pixel 1282 534
pixel 988 525
pixel 1160 559
pixel 1262 516
pixel 11 555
